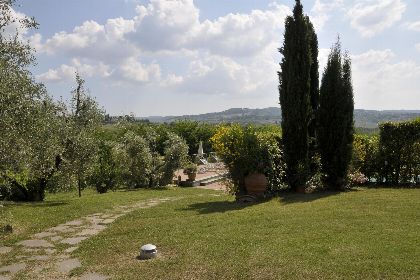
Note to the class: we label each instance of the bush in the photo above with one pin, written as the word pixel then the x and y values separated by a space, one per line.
pixel 365 156
pixel 399 152
pixel 109 167
pixel 139 160
pixel 245 150
pixel 175 156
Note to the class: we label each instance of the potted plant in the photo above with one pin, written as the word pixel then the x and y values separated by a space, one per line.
pixel 191 171
pixel 256 182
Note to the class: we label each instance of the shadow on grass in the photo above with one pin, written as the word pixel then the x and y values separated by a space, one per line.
pixel 289 197
pixel 219 206
pixel 36 204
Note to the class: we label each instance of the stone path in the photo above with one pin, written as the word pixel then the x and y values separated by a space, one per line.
pixel 47 254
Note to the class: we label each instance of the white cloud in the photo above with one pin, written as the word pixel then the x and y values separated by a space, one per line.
pixel 15 27
pixel 241 34
pixel 320 12
pixel 418 47
pixel 93 41
pixel 231 54
pixel 374 16
pixel 224 76
pixel 163 24
pixel 67 72
pixel 380 82
pixel 134 71
pixel 414 26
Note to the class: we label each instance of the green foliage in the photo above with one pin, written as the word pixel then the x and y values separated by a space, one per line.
pixel 399 152
pixel 190 168
pixel 314 89
pixel 108 170
pixel 193 132
pixel 175 156
pixel 82 120
pixel 245 150
pixel 29 142
pixel 335 135
pixel 297 93
pixel 365 155
pixel 139 160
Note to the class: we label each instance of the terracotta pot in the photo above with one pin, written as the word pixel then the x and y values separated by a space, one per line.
pixel 256 184
pixel 301 190
pixel 191 176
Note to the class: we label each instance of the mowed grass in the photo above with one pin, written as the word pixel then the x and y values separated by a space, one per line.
pixel 363 234
pixel 29 218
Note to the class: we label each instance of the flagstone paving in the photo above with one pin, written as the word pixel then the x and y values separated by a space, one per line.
pixel 47 255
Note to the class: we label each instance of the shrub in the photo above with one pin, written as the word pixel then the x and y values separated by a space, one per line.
pixel 175 156
pixel 190 168
pixel 399 152
pixel 139 160
pixel 365 156
pixel 109 167
pixel 244 150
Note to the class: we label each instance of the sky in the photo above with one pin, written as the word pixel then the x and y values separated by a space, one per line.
pixel 176 57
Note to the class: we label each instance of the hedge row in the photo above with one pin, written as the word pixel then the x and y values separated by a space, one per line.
pixel 393 157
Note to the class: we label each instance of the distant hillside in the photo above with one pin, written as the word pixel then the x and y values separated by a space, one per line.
pixel 363 118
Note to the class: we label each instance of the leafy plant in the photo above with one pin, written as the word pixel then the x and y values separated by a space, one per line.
pixel 190 168
pixel 245 150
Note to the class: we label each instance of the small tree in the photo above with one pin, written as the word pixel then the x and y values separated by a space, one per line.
pixel 175 156
pixel 83 120
pixel 109 167
pixel 336 126
pixel 139 160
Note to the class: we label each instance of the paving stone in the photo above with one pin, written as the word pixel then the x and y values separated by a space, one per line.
pixel 13 268
pixel 94 220
pixel 44 234
pixel 118 216
pixel 5 249
pixel 93 276
pixel 68 265
pixel 39 258
pixel 32 250
pixel 36 243
pixel 107 221
pixel 70 250
pixel 50 251
pixel 60 228
pixel 98 227
pixel 106 216
pixel 73 240
pixel 56 238
pixel 89 231
pixel 74 223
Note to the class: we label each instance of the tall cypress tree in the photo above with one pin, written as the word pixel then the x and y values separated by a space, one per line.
pixel 336 127
pixel 314 87
pixel 295 100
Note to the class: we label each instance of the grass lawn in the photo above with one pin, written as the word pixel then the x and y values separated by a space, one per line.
pixel 362 234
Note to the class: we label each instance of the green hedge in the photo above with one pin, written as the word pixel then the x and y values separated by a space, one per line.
pixel 399 152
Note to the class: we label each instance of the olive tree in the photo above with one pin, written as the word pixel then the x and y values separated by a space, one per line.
pixel 29 145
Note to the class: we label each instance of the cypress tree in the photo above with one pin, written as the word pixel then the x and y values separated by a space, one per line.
pixel 336 127
pixel 295 99
pixel 314 86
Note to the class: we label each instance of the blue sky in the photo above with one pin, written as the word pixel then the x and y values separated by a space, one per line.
pixel 172 57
